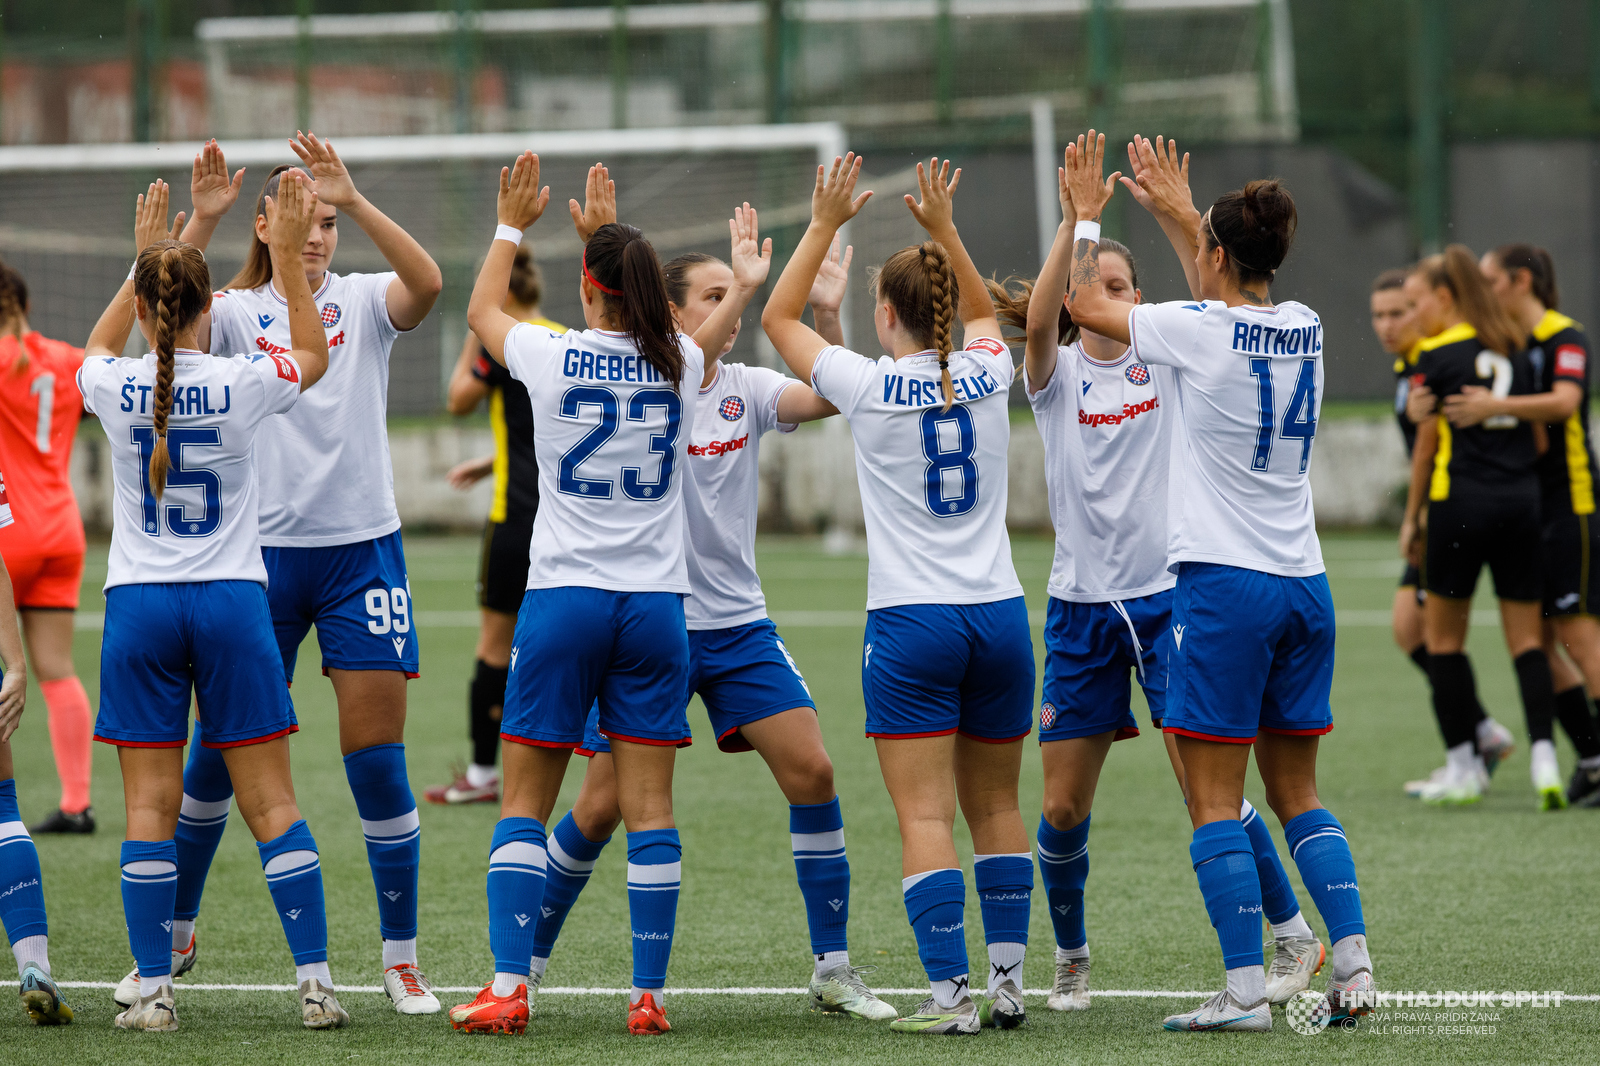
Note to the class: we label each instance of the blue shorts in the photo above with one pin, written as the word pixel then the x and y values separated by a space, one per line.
pixel 624 654
pixel 358 597
pixel 211 637
pixel 1251 652
pixel 930 669
pixel 1089 652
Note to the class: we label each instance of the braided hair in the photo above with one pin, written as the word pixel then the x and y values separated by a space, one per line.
pixel 920 284
pixel 172 279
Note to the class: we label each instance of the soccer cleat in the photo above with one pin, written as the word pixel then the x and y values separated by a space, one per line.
pixel 934 1020
pixel 1418 786
pixel 462 791
pixel 1583 790
pixel 182 962
pixel 490 1013
pixel 1497 746
pixel 1002 1008
pixel 535 979
pixel 841 991
pixel 62 822
pixel 318 1007
pixel 42 999
pixel 409 991
pixel 647 1019
pixel 1547 783
pixel 1221 1014
pixel 1350 998
pixel 154 1013
pixel 1454 789
pixel 1071 991
pixel 1295 960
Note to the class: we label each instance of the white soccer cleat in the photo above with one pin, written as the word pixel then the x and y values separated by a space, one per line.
pixel 155 1013
pixel 841 991
pixel 1221 1014
pixel 319 1009
pixel 1495 744
pixel 1546 773
pixel 409 991
pixel 127 991
pixel 535 979
pixel 1294 960
pixel 1351 998
pixel 1071 991
pixel 934 1020
pixel 1002 1008
pixel 1418 786
pixel 1454 789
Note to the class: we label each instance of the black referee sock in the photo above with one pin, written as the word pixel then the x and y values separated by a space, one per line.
pixel 1572 710
pixel 1538 694
pixel 1454 697
pixel 486 695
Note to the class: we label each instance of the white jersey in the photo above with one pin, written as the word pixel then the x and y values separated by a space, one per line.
pixel 612 437
pixel 204 527
pixel 326 477
pixel 720 495
pixel 933 482
pixel 1107 444
pixel 1249 390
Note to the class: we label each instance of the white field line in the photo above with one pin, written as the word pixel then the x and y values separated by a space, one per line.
pixel 1109 993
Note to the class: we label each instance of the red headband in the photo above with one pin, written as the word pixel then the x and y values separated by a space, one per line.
pixel 596 281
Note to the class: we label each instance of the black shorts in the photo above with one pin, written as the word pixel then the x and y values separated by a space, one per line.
pixel 1571 584
pixel 1503 531
pixel 503 566
pixel 1412 579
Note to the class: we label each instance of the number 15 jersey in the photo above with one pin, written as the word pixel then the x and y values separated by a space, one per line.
pixel 933 482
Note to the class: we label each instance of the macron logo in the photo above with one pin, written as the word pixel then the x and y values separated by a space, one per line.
pixel 836 904
pixel 265 320
pixel 513 658
pixel 1086 385
pixel 522 920
pixel 399 646
pixel 167 926
pixel 391 896
pixel 547 911
pixel 1177 635
pixel 294 915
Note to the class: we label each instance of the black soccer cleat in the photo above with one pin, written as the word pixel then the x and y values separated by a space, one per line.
pixel 1584 788
pixel 62 822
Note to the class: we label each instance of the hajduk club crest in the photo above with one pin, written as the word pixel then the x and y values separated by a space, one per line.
pixel 1047 716
pixel 732 408
pixel 1137 373
pixel 330 315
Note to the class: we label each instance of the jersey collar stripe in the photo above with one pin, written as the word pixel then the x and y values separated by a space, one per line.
pixel 1092 361
pixel 714 380
pixel 327 279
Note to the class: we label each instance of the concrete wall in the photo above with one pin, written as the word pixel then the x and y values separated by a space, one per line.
pixel 808 480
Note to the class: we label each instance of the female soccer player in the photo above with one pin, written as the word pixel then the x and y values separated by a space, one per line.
pixel 1252 618
pixel 330 533
pixel 602 617
pixel 503 566
pixel 186 603
pixel 39 412
pixel 1482 493
pixel 947 668
pixel 1523 280
pixel 22 902
pixel 1107 441
pixel 753 691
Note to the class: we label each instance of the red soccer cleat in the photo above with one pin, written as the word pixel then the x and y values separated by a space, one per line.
pixel 647 1019
pixel 490 1013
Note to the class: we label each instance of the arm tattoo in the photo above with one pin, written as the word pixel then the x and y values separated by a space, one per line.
pixel 1085 264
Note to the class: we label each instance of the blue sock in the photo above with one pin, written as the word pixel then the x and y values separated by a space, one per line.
pixel 1226 868
pixel 655 871
pixel 571 861
pixel 21 883
pixel 1064 868
pixel 294 877
pixel 377 777
pixel 1005 896
pixel 516 889
pixel 1317 843
pixel 207 794
pixel 149 883
pixel 935 904
pixel 816 833
pixel 1277 897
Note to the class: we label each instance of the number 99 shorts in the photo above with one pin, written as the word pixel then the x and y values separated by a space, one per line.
pixel 357 596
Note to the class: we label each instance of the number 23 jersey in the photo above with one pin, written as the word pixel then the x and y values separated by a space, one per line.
pixel 933 482
pixel 205 527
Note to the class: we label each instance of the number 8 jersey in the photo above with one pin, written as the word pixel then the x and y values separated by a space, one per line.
pixel 205 527
pixel 933 482
pixel 611 434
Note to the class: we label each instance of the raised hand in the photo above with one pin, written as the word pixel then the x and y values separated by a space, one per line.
pixel 936 211
pixel 150 217
pixel 599 203
pixel 833 278
pixel 752 257
pixel 333 183
pixel 833 201
pixel 210 190
pixel 1164 176
pixel 1090 190
pixel 1137 167
pixel 521 201
pixel 290 215
pixel 1069 213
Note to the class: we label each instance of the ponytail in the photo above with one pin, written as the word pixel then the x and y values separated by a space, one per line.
pixel 14 311
pixel 1456 269
pixel 172 279
pixel 257 269
pixel 1540 267
pixel 920 284
pixel 1013 296
pixel 624 269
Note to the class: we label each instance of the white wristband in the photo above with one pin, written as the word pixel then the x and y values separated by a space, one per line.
pixel 133 270
pixel 1086 231
pixel 503 232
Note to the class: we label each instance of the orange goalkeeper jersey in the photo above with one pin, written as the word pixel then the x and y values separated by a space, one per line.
pixel 39 410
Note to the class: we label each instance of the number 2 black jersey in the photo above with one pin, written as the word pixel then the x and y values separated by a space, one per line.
pixel 1497 454
pixel 1559 351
